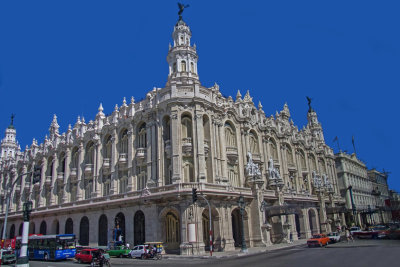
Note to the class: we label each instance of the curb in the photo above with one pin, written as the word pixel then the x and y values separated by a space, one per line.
pixel 235 255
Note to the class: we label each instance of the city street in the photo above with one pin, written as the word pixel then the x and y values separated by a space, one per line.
pixel 359 253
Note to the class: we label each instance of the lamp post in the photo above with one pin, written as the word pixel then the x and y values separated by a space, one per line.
pixel 242 205
pixel 23 260
pixel 353 207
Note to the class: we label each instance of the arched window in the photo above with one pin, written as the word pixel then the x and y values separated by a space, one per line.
pixel 313 166
pixel 75 158
pixel 123 143
pixel 107 147
pixel 289 155
pixel 253 143
pixel 89 153
pixel 230 136
pixel 273 149
pixel 103 230
pixel 142 136
pixel 183 65
pixel 186 127
pixel 69 226
pixel 302 160
pixel 188 171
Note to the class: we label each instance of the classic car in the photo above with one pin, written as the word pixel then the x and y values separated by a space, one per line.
pixel 86 255
pixel 334 237
pixel 119 251
pixel 318 240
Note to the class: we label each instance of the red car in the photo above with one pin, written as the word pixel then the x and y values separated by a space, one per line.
pixel 86 255
pixel 318 240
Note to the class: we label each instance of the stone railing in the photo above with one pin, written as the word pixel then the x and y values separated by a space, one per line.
pixel 232 154
pixel 187 147
pixel 60 176
pixel 73 173
pixel 48 180
pixel 123 158
pixel 141 153
pixel 106 163
pixel 88 168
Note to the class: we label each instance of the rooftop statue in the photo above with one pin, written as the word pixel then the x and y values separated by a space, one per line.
pixel 181 8
pixel 310 109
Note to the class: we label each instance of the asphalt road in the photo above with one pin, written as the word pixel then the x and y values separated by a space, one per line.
pixel 360 253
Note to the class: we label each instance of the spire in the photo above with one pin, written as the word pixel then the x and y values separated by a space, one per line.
pixel 238 96
pixel 11 126
pixel 182 57
pixel 285 113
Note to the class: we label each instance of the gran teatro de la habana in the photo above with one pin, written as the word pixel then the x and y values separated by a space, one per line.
pixel 135 169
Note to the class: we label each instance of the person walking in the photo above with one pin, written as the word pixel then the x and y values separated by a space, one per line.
pixel 349 235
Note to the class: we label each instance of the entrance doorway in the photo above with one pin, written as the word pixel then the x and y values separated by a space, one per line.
pixel 139 228
pixel 172 235
pixel 103 230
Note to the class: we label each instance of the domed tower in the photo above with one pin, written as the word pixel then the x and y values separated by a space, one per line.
pixel 9 145
pixel 182 57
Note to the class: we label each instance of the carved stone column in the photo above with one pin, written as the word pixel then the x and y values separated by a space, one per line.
pixel 257 237
pixel 97 162
pixel 175 137
pixel 80 172
pixel 201 163
pixel 130 159
pixel 224 164
pixel 42 183
pixel 54 186
pixel 66 175
pixel 325 227
pixel 149 159
pixel 114 159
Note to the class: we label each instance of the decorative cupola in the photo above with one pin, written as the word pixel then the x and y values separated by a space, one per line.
pixel 182 57
pixel 100 117
pixel 313 124
pixel 9 145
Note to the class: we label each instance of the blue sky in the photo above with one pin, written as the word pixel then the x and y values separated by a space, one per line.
pixel 65 57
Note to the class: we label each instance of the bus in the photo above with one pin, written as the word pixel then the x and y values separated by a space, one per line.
pixel 50 247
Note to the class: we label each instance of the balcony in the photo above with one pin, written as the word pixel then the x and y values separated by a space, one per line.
pixel 89 168
pixel 106 163
pixel 291 166
pixel 206 148
pixel 123 158
pixel 60 176
pixel 48 180
pixel 141 154
pixel 256 158
pixel 187 148
pixel 168 149
pixel 27 187
pixel 232 154
pixel 73 173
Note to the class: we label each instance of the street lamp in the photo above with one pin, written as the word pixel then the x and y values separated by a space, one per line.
pixel 242 206
pixel 23 259
pixel 353 207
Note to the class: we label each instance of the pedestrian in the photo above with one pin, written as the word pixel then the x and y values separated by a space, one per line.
pixel 348 235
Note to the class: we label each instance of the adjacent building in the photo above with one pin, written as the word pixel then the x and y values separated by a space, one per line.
pixel 365 190
pixel 129 176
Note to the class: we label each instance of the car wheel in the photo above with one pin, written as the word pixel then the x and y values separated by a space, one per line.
pixel 79 261
pixel 46 257
pixel 120 256
pixel 142 257
pixel 309 246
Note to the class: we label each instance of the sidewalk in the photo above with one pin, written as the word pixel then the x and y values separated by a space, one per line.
pixel 237 253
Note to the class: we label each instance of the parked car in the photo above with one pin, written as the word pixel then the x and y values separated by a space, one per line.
pixel 355 229
pixel 334 237
pixel 86 255
pixel 139 251
pixel 119 251
pixel 318 240
pixel 8 257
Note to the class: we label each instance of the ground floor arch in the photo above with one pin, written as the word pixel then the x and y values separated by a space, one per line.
pixel 103 231
pixel 55 227
pixel 170 229
pixel 12 231
pixel 238 226
pixel 69 226
pixel 84 232
pixel 215 224
pixel 43 228
pixel 119 228
pixel 139 230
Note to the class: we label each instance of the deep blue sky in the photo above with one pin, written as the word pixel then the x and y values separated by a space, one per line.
pixel 65 57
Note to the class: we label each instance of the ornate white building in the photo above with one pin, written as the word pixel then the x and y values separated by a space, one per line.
pixel 137 167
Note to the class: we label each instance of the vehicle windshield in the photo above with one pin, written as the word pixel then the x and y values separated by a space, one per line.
pixel 316 236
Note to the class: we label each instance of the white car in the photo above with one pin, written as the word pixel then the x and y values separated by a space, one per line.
pixel 334 237
pixel 139 251
pixel 355 229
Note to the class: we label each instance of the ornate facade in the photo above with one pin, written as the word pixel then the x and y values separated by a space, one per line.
pixel 137 167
